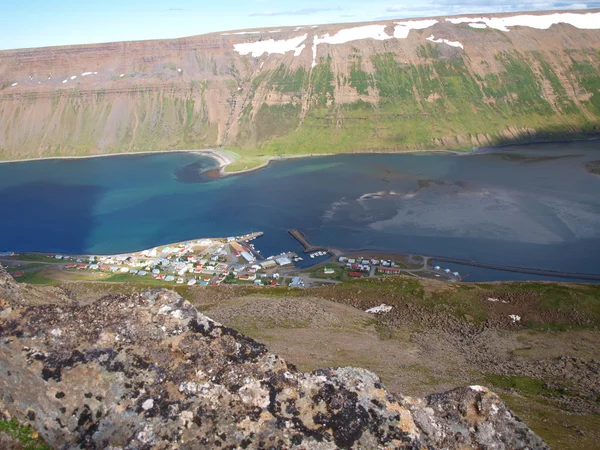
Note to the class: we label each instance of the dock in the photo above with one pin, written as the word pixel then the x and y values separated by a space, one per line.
pixel 308 247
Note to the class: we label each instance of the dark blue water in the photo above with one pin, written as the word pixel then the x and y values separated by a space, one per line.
pixel 531 206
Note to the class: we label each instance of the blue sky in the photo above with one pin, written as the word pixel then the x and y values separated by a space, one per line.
pixel 38 23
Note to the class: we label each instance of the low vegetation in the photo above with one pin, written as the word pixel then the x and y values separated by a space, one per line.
pixel 27 437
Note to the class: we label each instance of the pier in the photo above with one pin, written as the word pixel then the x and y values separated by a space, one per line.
pixel 308 247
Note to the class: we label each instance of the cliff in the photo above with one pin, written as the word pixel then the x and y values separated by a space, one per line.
pixel 385 86
pixel 149 371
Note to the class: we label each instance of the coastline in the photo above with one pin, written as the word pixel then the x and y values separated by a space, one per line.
pixel 275 158
pixel 225 158
pixel 221 157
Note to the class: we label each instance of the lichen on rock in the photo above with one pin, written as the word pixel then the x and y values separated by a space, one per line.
pixel 149 371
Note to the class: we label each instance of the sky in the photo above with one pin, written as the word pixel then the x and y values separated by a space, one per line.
pixel 40 23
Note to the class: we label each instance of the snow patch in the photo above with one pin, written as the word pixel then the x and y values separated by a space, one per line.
pixel 122 75
pixel 14 84
pixel 270 46
pixel 354 34
pixel 383 308
pixel 403 28
pixel 64 81
pixel 376 32
pixel 478 25
pixel 298 50
pixel 73 77
pixel 589 21
pixel 85 74
pixel 477 388
pixel 445 41
pixel 241 32
pixel 514 318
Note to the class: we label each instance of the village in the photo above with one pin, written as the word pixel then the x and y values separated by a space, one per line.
pixel 231 260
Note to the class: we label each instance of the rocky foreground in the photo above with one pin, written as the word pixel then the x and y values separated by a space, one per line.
pixel 149 371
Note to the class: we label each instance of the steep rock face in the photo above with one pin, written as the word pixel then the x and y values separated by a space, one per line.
pixel 149 371
pixel 333 88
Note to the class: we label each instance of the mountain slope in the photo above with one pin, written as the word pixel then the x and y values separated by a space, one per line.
pixel 387 86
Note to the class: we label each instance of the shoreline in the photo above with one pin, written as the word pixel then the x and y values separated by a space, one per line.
pixel 221 157
pixel 224 158
pixel 276 158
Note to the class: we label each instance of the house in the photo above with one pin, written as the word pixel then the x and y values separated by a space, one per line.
pixel 156 271
pixel 342 259
pixel 437 268
pixel 103 267
pixel 81 266
pixel 141 273
pixel 251 277
pixel 191 282
pixel 180 280
pixel 351 260
pixel 259 282
pixel 122 270
pixel 18 274
pixel 70 266
pixel 456 274
pixel 354 275
pixel 447 270
pixel 131 271
pixel 283 261
pixel 388 270
pixel 276 276
pixel 169 278
pixel 328 271
pixel 160 277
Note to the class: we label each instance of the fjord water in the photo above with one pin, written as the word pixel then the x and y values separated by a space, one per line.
pixel 530 206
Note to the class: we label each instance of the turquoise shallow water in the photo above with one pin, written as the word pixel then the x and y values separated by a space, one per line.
pixel 530 206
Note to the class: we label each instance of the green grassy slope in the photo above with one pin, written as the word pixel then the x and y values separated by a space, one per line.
pixel 439 103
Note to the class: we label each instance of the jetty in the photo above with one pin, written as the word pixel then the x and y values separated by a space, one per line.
pixel 308 247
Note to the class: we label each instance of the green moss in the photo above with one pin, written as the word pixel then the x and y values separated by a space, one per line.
pixel 26 435
pixel 322 79
pixel 359 79
pixel 284 80
pixel 525 385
